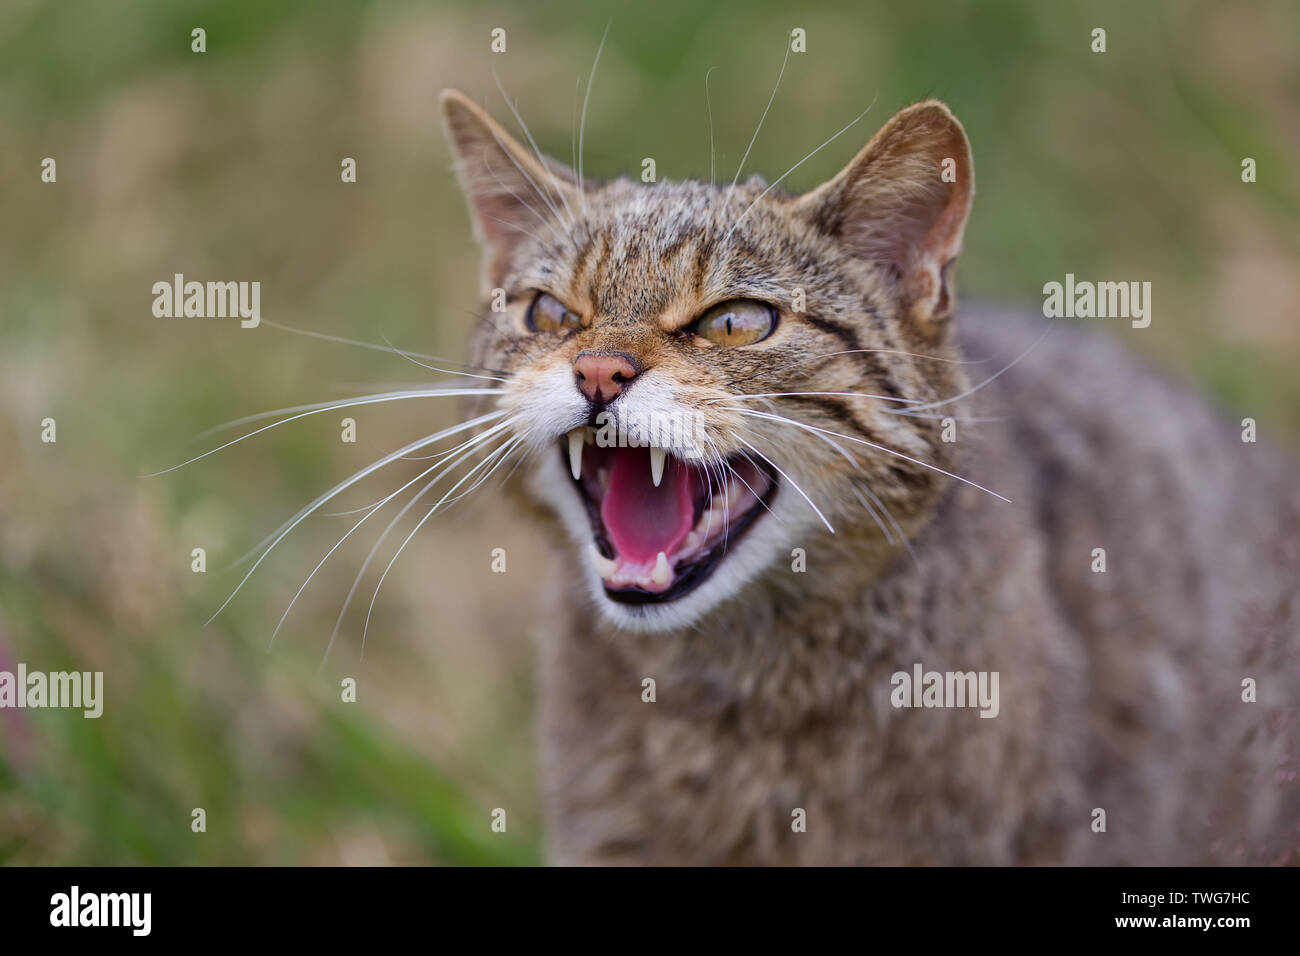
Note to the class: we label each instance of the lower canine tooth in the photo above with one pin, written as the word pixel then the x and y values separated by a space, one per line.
pixel 576 438
pixel 661 573
pixel 657 465
pixel 603 565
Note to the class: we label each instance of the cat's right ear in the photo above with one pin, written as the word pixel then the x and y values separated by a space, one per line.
pixel 512 193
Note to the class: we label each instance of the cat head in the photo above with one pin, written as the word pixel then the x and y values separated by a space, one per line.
pixel 702 378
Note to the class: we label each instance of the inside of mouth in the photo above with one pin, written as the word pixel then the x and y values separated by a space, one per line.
pixel 653 537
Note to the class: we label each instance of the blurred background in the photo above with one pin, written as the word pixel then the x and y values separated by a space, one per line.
pixel 225 165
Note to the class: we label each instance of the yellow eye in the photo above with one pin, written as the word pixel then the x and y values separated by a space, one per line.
pixel 549 314
pixel 738 322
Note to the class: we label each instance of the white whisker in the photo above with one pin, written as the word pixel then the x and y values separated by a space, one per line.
pixel 761 120
pixel 380 348
pixel 532 142
pixel 708 106
pixel 780 178
pixel 370 556
pixel 793 483
pixel 411 357
pixel 440 456
pixel 871 510
pixel 863 441
pixel 747 396
pixel 372 510
pixel 319 407
pixel 972 391
pixel 298 519
pixel 582 125
pixel 506 448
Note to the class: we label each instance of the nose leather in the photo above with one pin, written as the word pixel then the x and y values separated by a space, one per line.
pixel 602 376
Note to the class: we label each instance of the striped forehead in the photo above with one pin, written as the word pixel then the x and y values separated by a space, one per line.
pixel 648 248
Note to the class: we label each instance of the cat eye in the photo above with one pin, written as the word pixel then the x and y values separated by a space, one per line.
pixel 738 322
pixel 549 314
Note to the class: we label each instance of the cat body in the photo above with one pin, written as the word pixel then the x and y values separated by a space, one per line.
pixel 738 699
pixel 1119 690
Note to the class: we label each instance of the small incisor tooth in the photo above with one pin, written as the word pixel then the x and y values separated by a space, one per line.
pixel 603 565
pixel 576 439
pixel 657 456
pixel 661 573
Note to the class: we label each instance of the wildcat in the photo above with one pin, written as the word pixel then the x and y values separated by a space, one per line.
pixel 723 623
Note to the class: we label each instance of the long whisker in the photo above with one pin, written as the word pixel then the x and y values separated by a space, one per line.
pixel 320 407
pixel 411 357
pixel 518 228
pixel 528 176
pixel 794 483
pixel 302 513
pixel 712 472
pixel 486 475
pixel 779 179
pixel 708 106
pixel 485 317
pixel 747 396
pixel 761 120
pixel 582 125
pixel 423 387
pixel 369 513
pixel 573 140
pixel 830 355
pixel 826 438
pixel 548 223
pixel 507 447
pixel 898 529
pixel 519 199
pixel 871 510
pixel 532 142
pixel 370 556
pixel 440 456
pixel 765 505
pixel 380 348
pixel 863 441
pixel 857 492
pixel 298 519
pixel 971 391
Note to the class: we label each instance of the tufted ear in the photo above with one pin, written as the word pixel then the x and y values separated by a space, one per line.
pixel 511 193
pixel 903 202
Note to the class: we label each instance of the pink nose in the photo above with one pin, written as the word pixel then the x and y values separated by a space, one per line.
pixel 603 376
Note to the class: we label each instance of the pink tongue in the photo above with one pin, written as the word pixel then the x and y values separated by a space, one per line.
pixel 643 520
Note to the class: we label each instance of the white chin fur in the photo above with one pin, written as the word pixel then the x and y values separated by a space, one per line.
pixel 766 541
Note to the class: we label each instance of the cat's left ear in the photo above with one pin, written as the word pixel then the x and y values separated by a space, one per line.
pixel 903 202
pixel 512 192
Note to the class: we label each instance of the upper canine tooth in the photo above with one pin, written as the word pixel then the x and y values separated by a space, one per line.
pixel 661 573
pixel 576 438
pixel 657 465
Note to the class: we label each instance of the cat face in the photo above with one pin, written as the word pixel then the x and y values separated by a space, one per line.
pixel 702 378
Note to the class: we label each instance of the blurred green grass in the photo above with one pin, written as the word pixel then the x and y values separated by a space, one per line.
pixel 225 165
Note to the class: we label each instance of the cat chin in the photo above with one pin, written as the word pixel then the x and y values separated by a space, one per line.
pixel 727 582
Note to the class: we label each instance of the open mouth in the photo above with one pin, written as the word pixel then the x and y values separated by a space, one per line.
pixel 661 524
